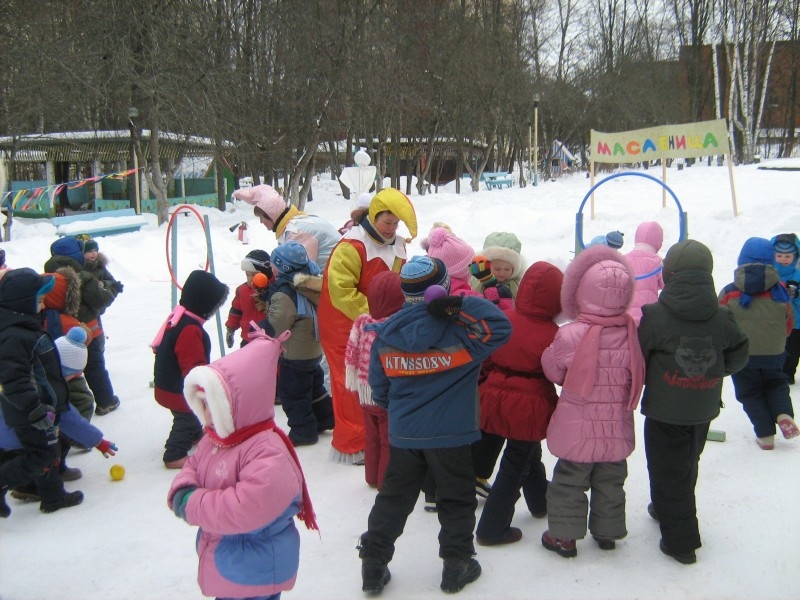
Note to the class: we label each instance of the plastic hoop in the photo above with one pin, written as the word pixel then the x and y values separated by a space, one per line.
pixel 681 214
pixel 177 210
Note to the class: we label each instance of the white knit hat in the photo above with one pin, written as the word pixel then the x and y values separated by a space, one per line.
pixel 72 350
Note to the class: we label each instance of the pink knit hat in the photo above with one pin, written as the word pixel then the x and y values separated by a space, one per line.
pixel 454 252
pixel 264 197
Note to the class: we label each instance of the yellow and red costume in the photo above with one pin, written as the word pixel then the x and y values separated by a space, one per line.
pixel 360 255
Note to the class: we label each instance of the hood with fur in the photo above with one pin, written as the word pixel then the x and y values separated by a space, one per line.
pixel 598 282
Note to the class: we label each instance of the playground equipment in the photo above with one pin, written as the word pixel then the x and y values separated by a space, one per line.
pixel 171 249
pixel 579 243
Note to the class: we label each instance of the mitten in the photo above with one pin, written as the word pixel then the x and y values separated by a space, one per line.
pixel 503 291
pixel 791 287
pixel 446 307
pixel 491 294
pixel 107 448
pixel 481 269
pixel 179 500
pixel 229 338
pixel 42 417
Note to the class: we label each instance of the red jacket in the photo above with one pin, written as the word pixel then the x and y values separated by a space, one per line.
pixel 243 310
pixel 516 398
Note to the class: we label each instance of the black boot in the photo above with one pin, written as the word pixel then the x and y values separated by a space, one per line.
pixel 458 572
pixel 5 510
pixel 374 571
pixel 374 575
pixel 67 500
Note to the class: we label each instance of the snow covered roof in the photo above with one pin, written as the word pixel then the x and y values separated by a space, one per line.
pixel 105 146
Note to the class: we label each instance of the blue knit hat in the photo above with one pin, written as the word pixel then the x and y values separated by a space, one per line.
pixel 614 239
pixel 291 257
pixel 68 246
pixel 785 243
pixel 421 272
pixel 756 250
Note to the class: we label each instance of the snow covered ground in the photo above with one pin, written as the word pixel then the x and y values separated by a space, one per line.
pixel 123 542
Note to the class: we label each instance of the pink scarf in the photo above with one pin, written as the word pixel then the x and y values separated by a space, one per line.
pixel 582 373
pixel 306 514
pixel 356 358
pixel 171 321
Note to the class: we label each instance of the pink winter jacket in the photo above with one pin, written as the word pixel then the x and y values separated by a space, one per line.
pixel 646 265
pixel 247 494
pixel 598 426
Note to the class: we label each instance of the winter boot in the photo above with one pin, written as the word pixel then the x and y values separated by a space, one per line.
pixel 685 558
pixel 563 547
pixel 652 511
pixel 70 473
pixel 27 492
pixel 510 536
pixel 374 575
pixel 788 427
pixel 766 443
pixel 5 510
pixel 67 500
pixel 458 572
pixel 374 570
pixel 605 544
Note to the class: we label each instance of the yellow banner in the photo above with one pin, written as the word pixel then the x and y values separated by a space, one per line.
pixel 687 140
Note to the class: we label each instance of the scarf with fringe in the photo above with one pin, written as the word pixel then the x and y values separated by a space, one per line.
pixel 356 358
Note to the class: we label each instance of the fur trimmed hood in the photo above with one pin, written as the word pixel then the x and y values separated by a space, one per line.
pixel 65 296
pixel 308 285
pixel 599 281
pixel 508 255
pixel 239 388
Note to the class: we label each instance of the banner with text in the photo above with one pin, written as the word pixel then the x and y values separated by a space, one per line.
pixel 687 140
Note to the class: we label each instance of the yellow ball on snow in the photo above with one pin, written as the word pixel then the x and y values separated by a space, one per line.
pixel 117 472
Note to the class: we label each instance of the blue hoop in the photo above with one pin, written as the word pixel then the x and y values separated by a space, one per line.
pixel 681 214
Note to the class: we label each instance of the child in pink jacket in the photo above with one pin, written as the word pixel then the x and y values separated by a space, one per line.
pixel 598 362
pixel 244 484
pixel 646 265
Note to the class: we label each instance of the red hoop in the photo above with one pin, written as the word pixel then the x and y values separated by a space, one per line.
pixel 169 230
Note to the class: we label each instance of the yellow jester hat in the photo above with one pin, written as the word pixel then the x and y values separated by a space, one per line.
pixel 398 204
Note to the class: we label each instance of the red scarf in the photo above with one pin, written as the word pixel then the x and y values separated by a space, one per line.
pixel 306 513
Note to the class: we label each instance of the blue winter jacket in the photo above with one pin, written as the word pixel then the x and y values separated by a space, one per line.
pixel 792 273
pixel 424 370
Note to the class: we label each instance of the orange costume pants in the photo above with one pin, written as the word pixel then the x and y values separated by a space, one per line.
pixel 348 433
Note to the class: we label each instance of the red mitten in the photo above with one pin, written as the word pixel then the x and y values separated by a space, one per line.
pixel 107 448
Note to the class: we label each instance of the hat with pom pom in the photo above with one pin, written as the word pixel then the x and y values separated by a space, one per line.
pixel 72 351
pixel 455 253
pixel 421 272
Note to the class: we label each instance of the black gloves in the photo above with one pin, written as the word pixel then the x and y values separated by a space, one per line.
pixel 446 307
pixel 42 417
pixel 229 338
pixel 117 287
